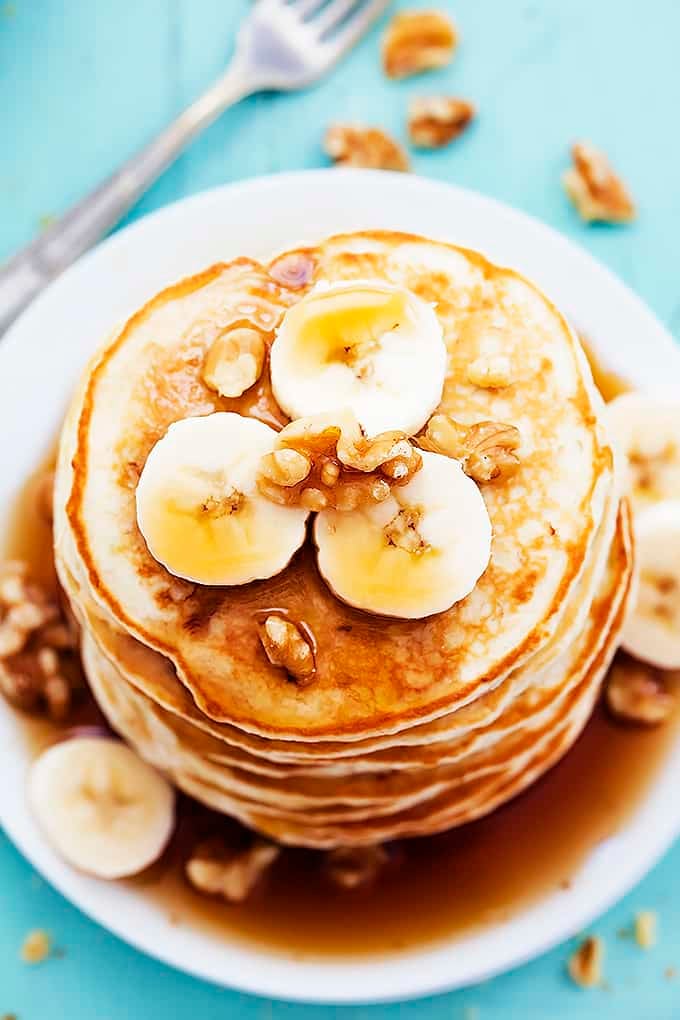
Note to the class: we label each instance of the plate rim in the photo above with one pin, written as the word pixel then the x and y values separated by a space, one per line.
pixel 420 971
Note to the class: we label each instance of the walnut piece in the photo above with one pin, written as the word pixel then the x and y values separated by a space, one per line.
pixel 638 694
pixel 36 946
pixel 486 449
pixel 326 461
pixel 36 644
pixel 286 645
pixel 355 867
pixel 354 145
pixel 594 187
pixel 434 121
pixel 219 870
pixel 235 360
pixel 418 41
pixel 585 966
pixel 645 928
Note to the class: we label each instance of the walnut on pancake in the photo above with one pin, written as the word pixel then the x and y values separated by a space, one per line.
pixel 595 188
pixel 235 360
pixel 486 449
pixel 435 121
pixel 286 645
pixel 418 41
pixel 326 461
pixel 38 670
pixel 219 870
pixel 367 147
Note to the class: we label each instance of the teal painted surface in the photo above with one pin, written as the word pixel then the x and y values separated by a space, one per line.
pixel 82 84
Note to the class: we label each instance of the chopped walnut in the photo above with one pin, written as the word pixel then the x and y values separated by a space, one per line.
pixel 286 467
pixel 418 41
pixel 235 360
pixel 355 867
pixel 286 645
pixel 36 946
pixel 645 929
pixel 219 870
pixel 326 461
pixel 354 145
pixel 486 449
pixel 585 966
pixel 637 693
pixel 35 646
pixel 434 121
pixel 595 189
pixel 490 373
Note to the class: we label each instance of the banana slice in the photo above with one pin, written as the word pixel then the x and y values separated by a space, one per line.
pixel 647 432
pixel 364 345
pixel 653 629
pixel 199 509
pixel 417 553
pixel 103 809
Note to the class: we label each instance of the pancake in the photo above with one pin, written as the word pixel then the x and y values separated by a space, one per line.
pixel 374 676
pixel 140 667
pixel 408 726
pixel 388 796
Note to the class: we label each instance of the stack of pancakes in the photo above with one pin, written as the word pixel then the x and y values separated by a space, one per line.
pixel 409 726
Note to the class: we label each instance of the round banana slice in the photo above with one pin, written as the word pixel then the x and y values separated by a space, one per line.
pixel 417 553
pixel 103 809
pixel 646 430
pixel 652 632
pixel 364 345
pixel 199 508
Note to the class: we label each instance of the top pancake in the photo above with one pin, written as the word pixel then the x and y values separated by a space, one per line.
pixel 373 675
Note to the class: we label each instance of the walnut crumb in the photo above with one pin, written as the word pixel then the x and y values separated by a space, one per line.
pixel 219 870
pixel 285 645
pixel 368 147
pixel 355 867
pixel 418 41
pixel 670 973
pixel 325 461
pixel 585 965
pixel 486 449
pixel 434 121
pixel 234 361
pixel 38 671
pixel 594 187
pixel 646 923
pixel 36 946
pixel 637 693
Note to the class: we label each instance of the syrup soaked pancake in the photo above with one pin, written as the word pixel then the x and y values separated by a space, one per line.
pixel 546 705
pixel 374 676
pixel 154 676
pixel 447 800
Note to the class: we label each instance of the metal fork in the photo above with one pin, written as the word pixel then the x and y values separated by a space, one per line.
pixel 282 44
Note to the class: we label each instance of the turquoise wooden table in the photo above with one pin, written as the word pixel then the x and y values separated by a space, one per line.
pixel 82 84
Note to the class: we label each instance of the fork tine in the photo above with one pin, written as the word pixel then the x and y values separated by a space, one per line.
pixel 353 27
pixel 305 7
pixel 333 15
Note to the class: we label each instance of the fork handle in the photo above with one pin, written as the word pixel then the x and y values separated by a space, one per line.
pixel 30 270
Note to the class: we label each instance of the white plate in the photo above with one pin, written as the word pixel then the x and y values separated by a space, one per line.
pixel 39 363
